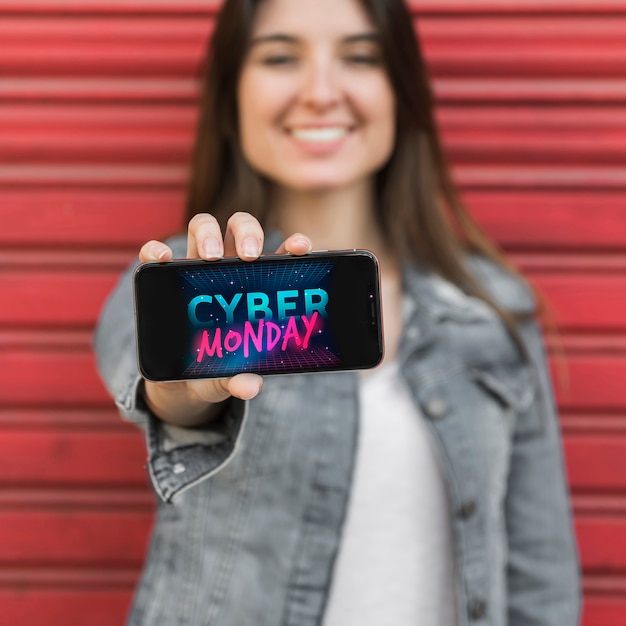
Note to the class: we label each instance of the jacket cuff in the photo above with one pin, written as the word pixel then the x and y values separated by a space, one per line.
pixel 180 458
pixel 130 402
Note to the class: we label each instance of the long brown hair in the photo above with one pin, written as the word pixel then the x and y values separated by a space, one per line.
pixel 419 208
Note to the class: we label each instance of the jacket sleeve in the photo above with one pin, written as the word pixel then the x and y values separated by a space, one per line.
pixel 543 567
pixel 177 457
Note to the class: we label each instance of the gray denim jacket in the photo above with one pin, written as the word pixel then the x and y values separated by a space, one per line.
pixel 251 508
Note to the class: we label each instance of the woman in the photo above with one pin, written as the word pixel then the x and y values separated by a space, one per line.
pixel 432 490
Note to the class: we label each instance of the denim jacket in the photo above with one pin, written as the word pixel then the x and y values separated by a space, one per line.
pixel 251 507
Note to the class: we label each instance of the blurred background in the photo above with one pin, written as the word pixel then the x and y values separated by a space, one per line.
pixel 96 118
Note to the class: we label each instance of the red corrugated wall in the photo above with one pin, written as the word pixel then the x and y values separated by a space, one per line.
pixel 96 118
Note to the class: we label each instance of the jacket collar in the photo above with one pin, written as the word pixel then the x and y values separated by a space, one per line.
pixel 440 298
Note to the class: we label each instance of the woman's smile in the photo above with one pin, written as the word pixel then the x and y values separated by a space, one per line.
pixel 319 140
pixel 323 134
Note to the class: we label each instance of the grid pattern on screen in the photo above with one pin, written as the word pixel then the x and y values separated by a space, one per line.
pixel 268 277
pixel 315 357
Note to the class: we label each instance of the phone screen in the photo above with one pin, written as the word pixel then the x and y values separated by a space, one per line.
pixel 278 314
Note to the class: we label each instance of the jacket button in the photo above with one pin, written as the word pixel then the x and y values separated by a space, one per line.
pixel 436 407
pixel 478 609
pixel 179 468
pixel 468 509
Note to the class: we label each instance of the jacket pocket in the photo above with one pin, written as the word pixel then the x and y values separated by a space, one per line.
pixel 512 388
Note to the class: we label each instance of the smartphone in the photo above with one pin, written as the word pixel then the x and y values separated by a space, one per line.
pixel 279 314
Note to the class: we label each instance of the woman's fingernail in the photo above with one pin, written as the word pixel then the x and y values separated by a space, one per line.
pixel 213 248
pixel 303 241
pixel 253 390
pixel 250 247
pixel 161 253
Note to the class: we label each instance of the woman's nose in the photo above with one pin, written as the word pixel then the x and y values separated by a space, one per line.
pixel 321 87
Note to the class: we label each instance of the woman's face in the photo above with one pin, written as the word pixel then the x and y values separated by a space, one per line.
pixel 316 108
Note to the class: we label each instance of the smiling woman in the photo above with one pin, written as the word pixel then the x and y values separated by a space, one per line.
pixel 316 109
pixel 431 491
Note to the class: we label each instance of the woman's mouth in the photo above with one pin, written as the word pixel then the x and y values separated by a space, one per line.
pixel 327 134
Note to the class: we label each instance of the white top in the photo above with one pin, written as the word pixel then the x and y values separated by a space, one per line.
pixel 395 564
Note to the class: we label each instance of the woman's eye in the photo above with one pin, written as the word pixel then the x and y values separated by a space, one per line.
pixel 363 59
pixel 279 59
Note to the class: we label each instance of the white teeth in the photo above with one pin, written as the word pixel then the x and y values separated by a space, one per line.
pixel 319 135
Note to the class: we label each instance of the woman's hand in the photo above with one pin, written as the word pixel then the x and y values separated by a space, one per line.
pixel 191 403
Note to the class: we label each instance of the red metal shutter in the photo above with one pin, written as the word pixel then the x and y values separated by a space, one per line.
pixel 96 117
